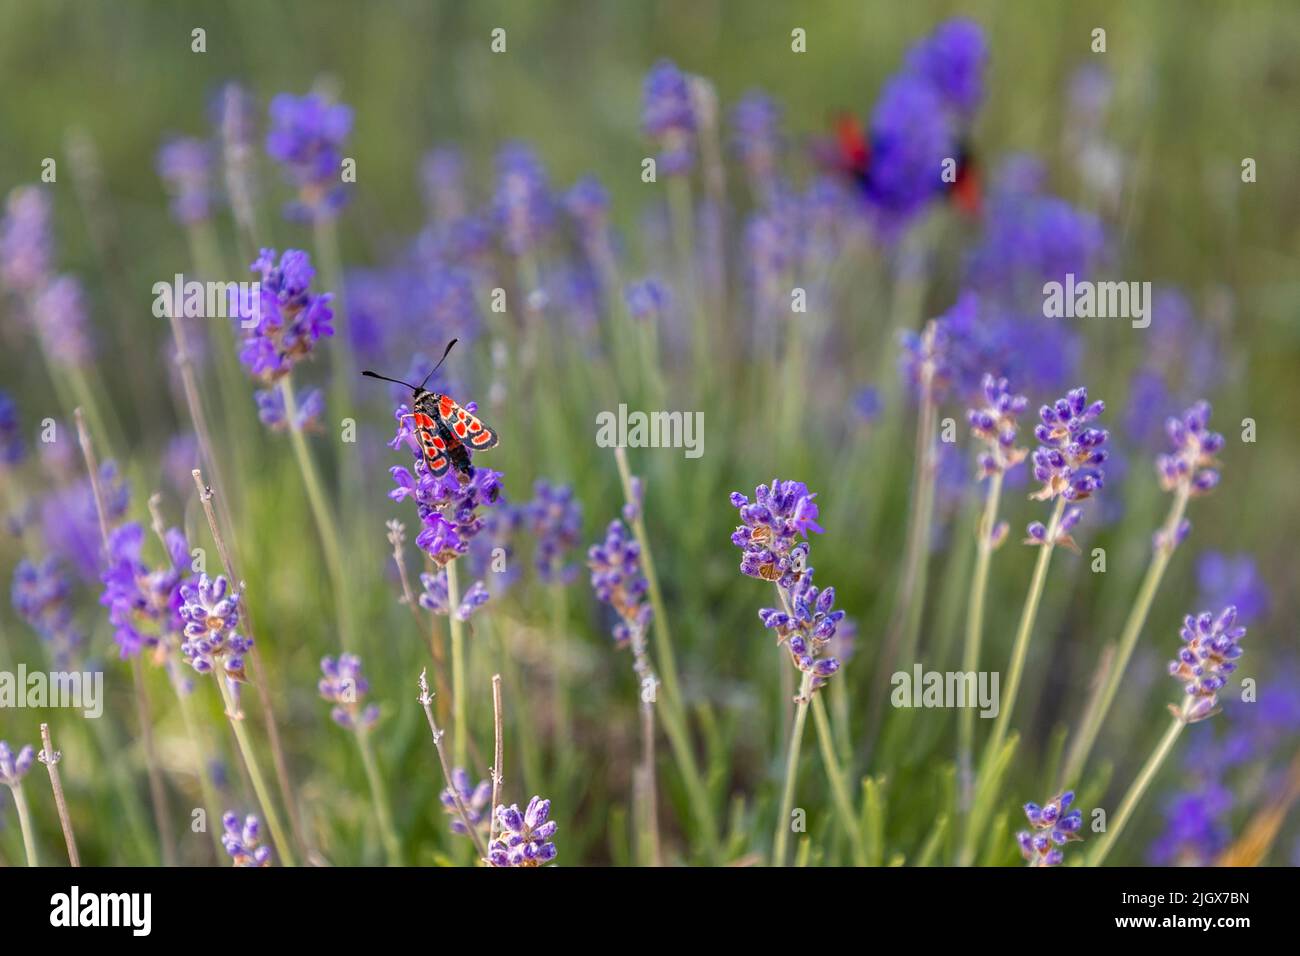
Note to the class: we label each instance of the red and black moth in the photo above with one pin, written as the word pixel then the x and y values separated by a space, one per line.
pixel 443 428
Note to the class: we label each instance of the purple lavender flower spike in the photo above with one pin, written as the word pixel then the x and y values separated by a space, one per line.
pixel 617 579
pixel 773 539
pixel 283 325
pixel 306 137
pixel 1209 654
pixel 1055 825
pixel 144 603
pixel 1070 457
pixel 668 117
pixel 474 798
pixel 344 685
pixel 756 138
pixel 434 597
pixel 1192 464
pixel 185 167
pixel 555 518
pixel 13 767
pixel 26 241
pixel 60 316
pixel 953 58
pixel 271 411
pixel 995 424
pixel 42 597
pixel 211 642
pixel 524 206
pixel 243 841
pixel 525 838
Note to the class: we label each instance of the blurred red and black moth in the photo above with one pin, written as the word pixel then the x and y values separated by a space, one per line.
pixel 849 155
pixel 442 427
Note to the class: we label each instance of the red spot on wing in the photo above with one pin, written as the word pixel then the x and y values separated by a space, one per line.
pixel 422 420
pixel 484 437
pixel 460 429
pixel 439 443
pixel 445 406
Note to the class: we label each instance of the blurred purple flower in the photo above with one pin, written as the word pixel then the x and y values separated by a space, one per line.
pixel 287 320
pixel 185 167
pixel 306 137
pixel 617 579
pixel 26 240
pixel 243 841
pixel 1233 579
pixel 344 686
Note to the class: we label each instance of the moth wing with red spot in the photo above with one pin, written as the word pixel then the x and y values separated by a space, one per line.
pixel 431 444
pixel 465 426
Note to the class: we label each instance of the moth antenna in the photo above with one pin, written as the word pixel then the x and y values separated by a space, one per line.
pixel 395 381
pixel 445 352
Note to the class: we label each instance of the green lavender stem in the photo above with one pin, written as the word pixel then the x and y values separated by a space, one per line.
pixel 320 511
pixel 282 845
pixel 905 622
pixel 459 699
pixel 25 824
pixel 1100 705
pixel 379 795
pixel 791 771
pixel 1139 787
pixel 839 789
pixel 975 631
pixel 986 784
pixel 674 717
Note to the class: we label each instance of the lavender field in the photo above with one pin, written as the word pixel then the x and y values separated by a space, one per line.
pixel 845 434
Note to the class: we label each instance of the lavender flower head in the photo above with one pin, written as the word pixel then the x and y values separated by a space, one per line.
pixel 925 361
pixel 243 841
pixel 617 579
pixel 345 686
pixel 185 167
pixel 26 240
pixel 272 413
pixel 306 137
pixel 555 518
pixel 1192 465
pixel 145 604
pixel 211 641
pixel 756 136
pixel 953 58
pixel 1210 652
pixel 994 424
pixel 286 320
pixel 13 767
pixel 475 800
pixel 1054 827
pixel 525 838
pixel 435 596
pixel 771 525
pixel 60 317
pixel 42 597
pixel 667 116
pixel 1069 459
pixel 524 207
